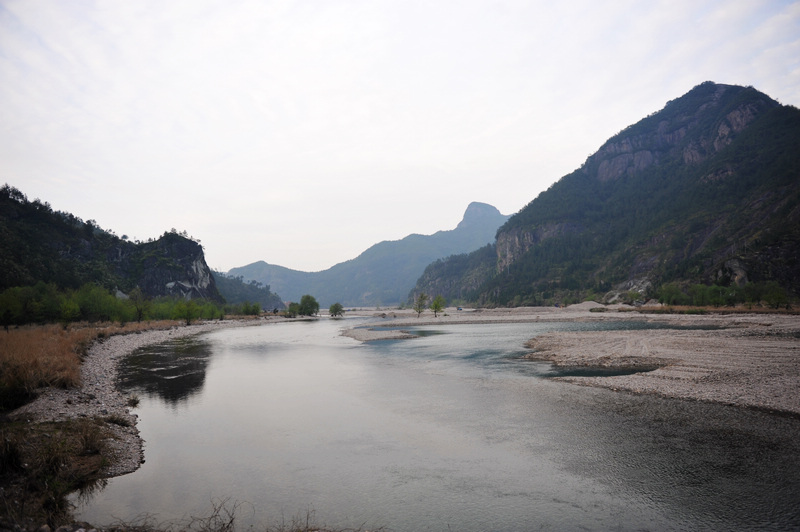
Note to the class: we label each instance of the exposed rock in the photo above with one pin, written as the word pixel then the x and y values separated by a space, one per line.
pixel 512 244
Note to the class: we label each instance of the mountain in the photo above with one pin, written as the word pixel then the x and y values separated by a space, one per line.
pixel 39 244
pixel 235 291
pixel 384 273
pixel 704 191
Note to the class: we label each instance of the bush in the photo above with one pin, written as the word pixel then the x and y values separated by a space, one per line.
pixel 336 310
pixel 308 306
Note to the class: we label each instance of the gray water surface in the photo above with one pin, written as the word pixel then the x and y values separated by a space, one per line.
pixel 448 431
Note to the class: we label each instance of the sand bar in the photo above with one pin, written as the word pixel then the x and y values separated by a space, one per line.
pixel 749 360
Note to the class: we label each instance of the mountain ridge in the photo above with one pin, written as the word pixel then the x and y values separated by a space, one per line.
pixel 383 273
pixel 685 195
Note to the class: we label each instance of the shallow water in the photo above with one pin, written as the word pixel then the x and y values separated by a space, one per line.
pixel 448 431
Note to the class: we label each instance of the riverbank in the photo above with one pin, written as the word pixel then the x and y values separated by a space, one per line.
pixel 748 360
pixel 99 398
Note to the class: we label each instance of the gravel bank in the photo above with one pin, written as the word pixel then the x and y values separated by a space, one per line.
pixel 750 360
pixel 98 396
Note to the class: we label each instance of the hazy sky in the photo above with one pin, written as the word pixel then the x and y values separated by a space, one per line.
pixel 302 132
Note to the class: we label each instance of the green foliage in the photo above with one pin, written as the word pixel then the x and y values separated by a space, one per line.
pixel 671 294
pixel 292 310
pixel 336 310
pixel 769 293
pixel 185 310
pixel 139 302
pixel 308 306
pixel 44 303
pixel 437 305
pixel 775 295
pixel 236 291
pixel 39 244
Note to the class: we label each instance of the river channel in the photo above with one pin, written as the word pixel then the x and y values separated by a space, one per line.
pixel 448 431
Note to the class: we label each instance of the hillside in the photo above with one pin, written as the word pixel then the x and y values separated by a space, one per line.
pixel 38 244
pixel 704 191
pixel 235 292
pixel 384 273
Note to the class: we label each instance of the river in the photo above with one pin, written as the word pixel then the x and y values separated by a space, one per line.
pixel 448 431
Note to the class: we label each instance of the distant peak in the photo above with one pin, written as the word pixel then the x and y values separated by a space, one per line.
pixel 478 212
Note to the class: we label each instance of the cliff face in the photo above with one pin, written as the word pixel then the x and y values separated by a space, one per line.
pixel 627 155
pixel 174 266
pixel 54 247
pixel 688 131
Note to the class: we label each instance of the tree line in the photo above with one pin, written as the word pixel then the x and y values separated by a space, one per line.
pixel 46 303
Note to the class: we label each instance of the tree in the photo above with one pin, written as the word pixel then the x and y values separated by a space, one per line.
pixel 308 306
pixel 420 303
pixel 336 310
pixel 437 305
pixel 186 310
pixel 139 302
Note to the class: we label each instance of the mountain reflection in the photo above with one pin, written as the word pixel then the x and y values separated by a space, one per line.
pixel 173 371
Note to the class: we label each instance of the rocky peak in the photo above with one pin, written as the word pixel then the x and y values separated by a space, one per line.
pixel 174 265
pixel 480 214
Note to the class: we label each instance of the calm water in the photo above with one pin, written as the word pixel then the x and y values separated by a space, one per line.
pixel 449 431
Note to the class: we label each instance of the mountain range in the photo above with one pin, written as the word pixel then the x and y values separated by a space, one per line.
pixel 385 273
pixel 704 191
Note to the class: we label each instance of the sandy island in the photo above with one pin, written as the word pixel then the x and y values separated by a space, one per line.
pixel 748 360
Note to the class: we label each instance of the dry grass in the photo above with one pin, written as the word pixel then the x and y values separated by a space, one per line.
pixel 38 356
pixel 40 463
pixel 43 463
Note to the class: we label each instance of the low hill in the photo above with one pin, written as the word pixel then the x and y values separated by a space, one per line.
pixel 384 273
pixel 38 244
pixel 704 191
pixel 236 291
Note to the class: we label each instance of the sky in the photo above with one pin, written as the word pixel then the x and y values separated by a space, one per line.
pixel 301 133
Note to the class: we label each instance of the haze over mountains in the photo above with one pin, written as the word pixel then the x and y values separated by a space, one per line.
pixel 386 272
pixel 705 191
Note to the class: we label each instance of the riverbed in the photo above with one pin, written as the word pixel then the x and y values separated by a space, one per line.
pixel 454 429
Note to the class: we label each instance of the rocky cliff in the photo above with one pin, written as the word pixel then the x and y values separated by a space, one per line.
pixel 173 266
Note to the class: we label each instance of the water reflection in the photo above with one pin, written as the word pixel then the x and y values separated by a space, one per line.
pixel 174 371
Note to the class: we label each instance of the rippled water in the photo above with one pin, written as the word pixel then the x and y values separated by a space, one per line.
pixel 448 431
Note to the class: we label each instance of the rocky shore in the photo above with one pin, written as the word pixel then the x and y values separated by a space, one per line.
pixel 747 360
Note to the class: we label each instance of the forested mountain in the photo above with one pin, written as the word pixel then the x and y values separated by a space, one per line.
pixel 38 244
pixel 236 291
pixel 384 273
pixel 705 191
